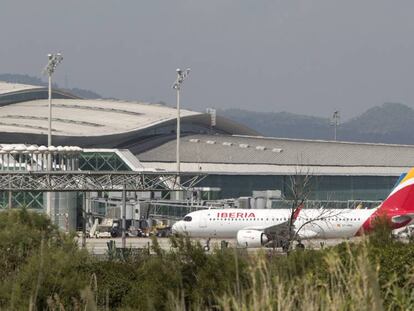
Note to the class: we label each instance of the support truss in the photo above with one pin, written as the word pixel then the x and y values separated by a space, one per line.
pixel 95 181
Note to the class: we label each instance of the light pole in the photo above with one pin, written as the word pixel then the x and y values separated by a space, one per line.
pixel 335 122
pixel 54 61
pixel 181 75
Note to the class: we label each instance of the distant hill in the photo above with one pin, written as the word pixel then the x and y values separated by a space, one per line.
pixel 26 79
pixel 281 124
pixel 390 123
pixel 23 79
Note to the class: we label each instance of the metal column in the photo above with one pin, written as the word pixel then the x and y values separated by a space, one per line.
pixel 84 220
pixel 123 217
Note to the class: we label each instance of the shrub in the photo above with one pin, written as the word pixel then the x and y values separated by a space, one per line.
pixel 21 234
pixel 47 271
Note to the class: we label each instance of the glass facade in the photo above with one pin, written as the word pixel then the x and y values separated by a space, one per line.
pixel 30 200
pixel 101 161
pixel 337 188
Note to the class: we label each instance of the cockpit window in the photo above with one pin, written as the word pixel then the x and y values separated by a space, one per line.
pixel 188 218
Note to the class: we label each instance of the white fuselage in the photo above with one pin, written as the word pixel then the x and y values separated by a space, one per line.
pixel 311 223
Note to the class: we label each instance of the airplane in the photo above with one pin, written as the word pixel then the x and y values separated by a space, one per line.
pixel 254 228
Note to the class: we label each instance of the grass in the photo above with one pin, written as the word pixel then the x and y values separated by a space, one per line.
pixel 43 269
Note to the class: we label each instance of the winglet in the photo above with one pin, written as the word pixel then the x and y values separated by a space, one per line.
pixel 297 212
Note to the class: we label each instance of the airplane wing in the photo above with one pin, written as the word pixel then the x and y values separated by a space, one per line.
pixel 280 230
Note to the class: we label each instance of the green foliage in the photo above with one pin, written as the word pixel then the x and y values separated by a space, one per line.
pixel 21 234
pixel 156 279
pixel 382 234
pixel 186 274
pixel 46 270
pixel 298 264
pixel 114 280
pixel 50 273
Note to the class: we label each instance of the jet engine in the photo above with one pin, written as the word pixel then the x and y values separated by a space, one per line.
pixel 307 234
pixel 251 238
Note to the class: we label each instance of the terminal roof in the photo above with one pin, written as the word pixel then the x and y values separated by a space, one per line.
pixel 81 117
pixel 6 87
pixel 233 149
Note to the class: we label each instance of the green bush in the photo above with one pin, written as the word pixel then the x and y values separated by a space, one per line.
pixel 50 273
pixel 21 234
pixel 43 269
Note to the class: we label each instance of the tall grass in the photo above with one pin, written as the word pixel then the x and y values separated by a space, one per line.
pixel 44 270
pixel 349 282
pixel 351 286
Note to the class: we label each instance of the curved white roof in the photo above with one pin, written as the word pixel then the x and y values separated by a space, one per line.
pixel 80 117
pixel 6 87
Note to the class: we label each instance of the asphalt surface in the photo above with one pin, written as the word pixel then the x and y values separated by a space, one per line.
pixel 99 246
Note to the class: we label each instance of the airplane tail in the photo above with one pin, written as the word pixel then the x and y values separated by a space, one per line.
pixel 401 198
pixel 297 212
pixel 398 207
pixel 402 176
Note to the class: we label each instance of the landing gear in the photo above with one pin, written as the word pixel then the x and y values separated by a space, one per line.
pixel 207 246
pixel 224 244
pixel 300 246
pixel 285 246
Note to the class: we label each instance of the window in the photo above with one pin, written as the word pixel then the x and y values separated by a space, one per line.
pixel 188 218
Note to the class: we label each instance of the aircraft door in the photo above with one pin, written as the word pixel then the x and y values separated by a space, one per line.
pixel 203 221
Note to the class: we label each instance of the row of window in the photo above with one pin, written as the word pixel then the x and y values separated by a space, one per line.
pixel 279 219
pixel 232 219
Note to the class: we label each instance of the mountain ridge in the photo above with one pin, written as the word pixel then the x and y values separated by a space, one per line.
pixel 391 123
pixel 30 80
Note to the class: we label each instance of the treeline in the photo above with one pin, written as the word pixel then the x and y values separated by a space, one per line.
pixel 389 123
pixel 26 79
pixel 43 269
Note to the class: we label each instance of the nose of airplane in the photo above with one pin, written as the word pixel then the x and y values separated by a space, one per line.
pixel 177 227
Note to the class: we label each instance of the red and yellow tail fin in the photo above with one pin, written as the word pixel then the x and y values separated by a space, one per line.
pixel 401 198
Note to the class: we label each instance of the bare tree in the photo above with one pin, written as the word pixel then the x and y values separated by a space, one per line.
pixel 299 188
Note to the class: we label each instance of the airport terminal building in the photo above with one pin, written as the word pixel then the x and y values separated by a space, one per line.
pixel 235 158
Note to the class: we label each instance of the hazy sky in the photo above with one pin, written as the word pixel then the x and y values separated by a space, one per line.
pixel 300 56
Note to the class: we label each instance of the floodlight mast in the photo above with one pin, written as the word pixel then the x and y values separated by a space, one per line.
pixel 335 122
pixel 54 61
pixel 181 76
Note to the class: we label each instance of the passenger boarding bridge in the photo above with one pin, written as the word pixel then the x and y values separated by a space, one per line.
pixel 28 172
